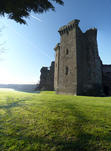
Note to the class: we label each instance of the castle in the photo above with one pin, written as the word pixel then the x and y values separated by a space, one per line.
pixel 78 67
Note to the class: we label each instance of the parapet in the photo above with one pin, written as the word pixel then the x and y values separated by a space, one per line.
pixel 91 32
pixel 69 26
pixel 106 68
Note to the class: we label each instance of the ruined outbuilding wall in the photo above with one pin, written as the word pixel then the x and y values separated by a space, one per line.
pixel 47 78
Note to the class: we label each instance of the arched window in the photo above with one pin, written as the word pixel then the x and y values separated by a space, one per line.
pixel 66 70
pixel 67 51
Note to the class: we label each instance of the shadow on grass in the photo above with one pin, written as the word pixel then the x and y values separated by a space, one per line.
pixel 27 91
pixel 84 141
pixel 11 103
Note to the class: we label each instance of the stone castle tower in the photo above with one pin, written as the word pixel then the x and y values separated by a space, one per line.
pixel 78 68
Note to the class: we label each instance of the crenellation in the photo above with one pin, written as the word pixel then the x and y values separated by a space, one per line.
pixel 64 29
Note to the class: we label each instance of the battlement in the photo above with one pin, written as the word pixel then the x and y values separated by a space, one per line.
pixel 91 32
pixel 68 27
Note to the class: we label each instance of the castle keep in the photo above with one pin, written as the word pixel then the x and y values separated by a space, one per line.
pixel 78 68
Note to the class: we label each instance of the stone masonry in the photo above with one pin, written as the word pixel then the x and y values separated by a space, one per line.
pixel 78 67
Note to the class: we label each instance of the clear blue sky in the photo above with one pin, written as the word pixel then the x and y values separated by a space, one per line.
pixel 29 47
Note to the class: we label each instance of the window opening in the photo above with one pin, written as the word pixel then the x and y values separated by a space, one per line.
pixel 67 51
pixel 67 70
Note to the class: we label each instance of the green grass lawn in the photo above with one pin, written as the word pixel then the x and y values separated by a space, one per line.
pixel 50 122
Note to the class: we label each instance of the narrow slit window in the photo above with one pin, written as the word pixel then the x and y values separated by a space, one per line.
pixel 67 51
pixel 67 70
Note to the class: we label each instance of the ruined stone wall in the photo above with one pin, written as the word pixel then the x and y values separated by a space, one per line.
pixel 47 78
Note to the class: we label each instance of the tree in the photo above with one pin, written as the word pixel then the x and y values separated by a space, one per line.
pixel 20 9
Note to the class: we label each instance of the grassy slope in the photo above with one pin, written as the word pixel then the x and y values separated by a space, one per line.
pixel 50 122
